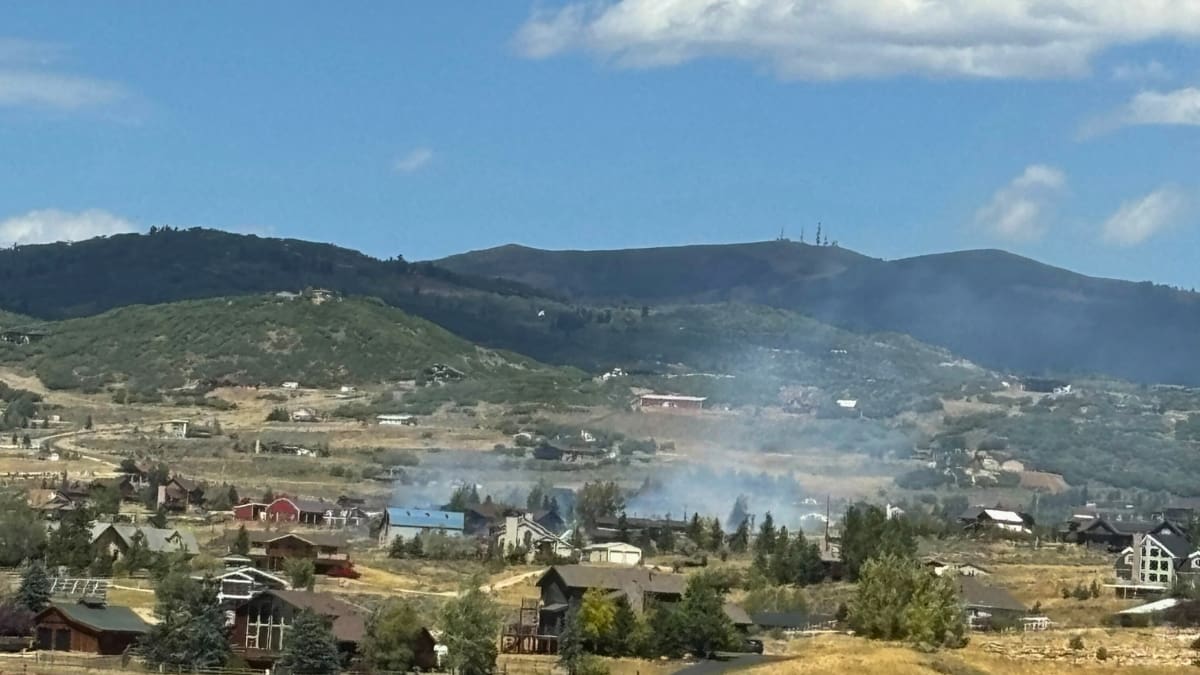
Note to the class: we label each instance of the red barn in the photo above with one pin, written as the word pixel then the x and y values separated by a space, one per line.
pixel 249 510
pixel 303 511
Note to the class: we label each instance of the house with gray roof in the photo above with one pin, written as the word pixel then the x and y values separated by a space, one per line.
pixel 115 539
pixel 985 605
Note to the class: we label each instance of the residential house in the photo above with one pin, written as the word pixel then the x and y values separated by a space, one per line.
pixel 982 519
pixel 549 519
pixel 180 494
pixel 793 622
pixel 481 519
pixel 522 531
pixel 304 415
pixel 607 528
pixel 244 582
pixel 261 624
pixel 671 402
pixel 987 606
pixel 409 523
pixel 1117 535
pixel 396 420
pixel 616 553
pixel 1153 562
pixel 340 516
pixel 302 511
pixel 115 540
pixel 326 550
pixel 90 627
pixel 564 585
pixel 139 473
pixel 50 503
pixel 1181 511
pixel 176 428
pixel 250 510
pixel 944 567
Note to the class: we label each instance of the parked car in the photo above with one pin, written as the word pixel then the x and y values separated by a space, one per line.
pixel 752 646
pixel 344 572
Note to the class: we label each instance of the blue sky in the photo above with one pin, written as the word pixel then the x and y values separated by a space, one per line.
pixel 1066 130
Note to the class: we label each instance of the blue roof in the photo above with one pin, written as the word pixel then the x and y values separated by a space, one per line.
pixel 406 517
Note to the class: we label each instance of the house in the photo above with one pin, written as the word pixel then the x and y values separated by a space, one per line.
pixel 616 553
pixel 1181 512
pixel 408 523
pixel 671 402
pixel 549 519
pixel 243 582
pixel 982 519
pixel 176 428
pixel 115 539
pixel 326 550
pixel 793 622
pixel 987 606
pixel 250 510
pixel 943 567
pixel 847 403
pixel 1117 535
pixel 1153 562
pixel 341 516
pixel 479 520
pixel 521 531
pixel 290 385
pixel 180 493
pixel 261 624
pixel 91 627
pixel 50 503
pixel 607 528
pixel 396 420
pixel 564 585
pixel 296 510
pixel 304 415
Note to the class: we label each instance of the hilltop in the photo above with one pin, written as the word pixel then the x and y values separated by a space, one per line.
pixel 998 309
pixel 252 340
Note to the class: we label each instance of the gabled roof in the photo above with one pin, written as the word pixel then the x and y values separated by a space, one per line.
pixel 249 573
pixel 187 484
pixel 348 621
pixel 618 578
pixel 314 538
pixel 158 540
pixel 1002 516
pixel 983 596
pixel 312 505
pixel 1177 546
pixel 424 518
pixel 109 619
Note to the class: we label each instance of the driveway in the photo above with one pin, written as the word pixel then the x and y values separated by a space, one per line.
pixel 728 663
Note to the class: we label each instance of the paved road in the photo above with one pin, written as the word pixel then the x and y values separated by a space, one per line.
pixel 728 664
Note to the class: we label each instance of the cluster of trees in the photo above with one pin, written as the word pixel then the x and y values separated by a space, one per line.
pixel 602 626
pixel 433 546
pixel 898 599
pixel 783 558
pixel 20 406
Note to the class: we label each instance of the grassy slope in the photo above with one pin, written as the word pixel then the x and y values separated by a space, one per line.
pixel 254 339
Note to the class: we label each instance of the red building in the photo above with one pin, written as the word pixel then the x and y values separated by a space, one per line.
pixel 249 510
pixel 302 511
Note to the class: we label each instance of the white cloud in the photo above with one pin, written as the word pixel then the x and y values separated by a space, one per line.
pixel 1138 72
pixel 836 39
pixel 50 225
pixel 415 159
pixel 1180 107
pixel 27 81
pixel 1139 219
pixel 1016 212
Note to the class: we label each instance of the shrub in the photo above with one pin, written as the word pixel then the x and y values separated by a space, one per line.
pixel 1075 643
pixel 1101 654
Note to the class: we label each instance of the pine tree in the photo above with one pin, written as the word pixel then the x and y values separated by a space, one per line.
pixel 740 541
pixel 666 539
pixel 716 536
pixel 415 548
pixel 34 592
pixel 765 542
pixel 570 642
pixel 621 640
pixel 391 640
pixel 191 631
pixel 241 545
pixel 300 573
pixel 706 626
pixel 310 646
pixel 397 549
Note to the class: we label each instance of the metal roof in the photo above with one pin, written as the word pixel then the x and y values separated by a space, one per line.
pixel 424 518
pixel 110 618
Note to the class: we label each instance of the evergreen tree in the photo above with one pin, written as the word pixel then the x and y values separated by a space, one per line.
pixel 868 533
pixel 137 556
pixel 740 541
pixel 310 646
pixel 34 593
pixel 241 544
pixel 666 539
pixel 300 573
pixel 397 549
pixel 190 633
pixel 570 642
pixel 621 640
pixel 70 545
pixel 87 424
pixel 716 537
pixel 597 617
pixel 706 626
pixel 470 624
pixel 415 548
pixel 159 519
pixel 897 599
pixel 765 542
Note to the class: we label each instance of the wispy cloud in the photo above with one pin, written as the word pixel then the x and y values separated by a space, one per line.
pixel 1140 219
pixel 28 78
pixel 1172 108
pixel 1141 72
pixel 1016 212
pixel 413 160
pixel 51 225
pixel 837 39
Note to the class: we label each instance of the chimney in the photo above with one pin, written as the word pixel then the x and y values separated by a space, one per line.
pixel 1135 573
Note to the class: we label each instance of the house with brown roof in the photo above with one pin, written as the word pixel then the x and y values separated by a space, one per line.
pixel 986 606
pixel 87 626
pixel 270 550
pixel 261 624
pixel 180 494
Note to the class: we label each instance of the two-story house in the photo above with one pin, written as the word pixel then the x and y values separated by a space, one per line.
pixel 326 550
pixel 1153 563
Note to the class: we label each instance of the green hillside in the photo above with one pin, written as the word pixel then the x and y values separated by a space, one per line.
pixel 998 309
pixel 253 340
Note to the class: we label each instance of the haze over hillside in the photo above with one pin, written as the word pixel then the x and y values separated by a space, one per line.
pixel 996 308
